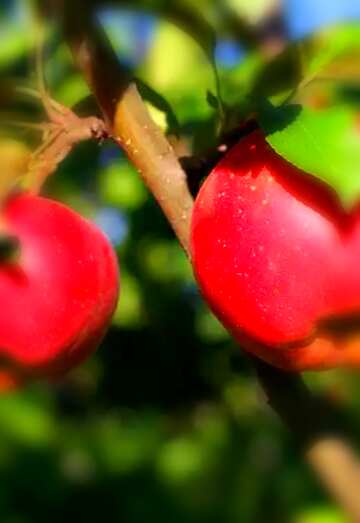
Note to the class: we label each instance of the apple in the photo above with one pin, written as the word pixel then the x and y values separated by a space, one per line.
pixel 277 259
pixel 58 294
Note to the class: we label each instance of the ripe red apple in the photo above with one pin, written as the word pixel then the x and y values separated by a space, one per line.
pixel 277 259
pixel 58 296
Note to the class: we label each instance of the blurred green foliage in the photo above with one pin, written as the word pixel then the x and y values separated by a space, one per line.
pixel 166 422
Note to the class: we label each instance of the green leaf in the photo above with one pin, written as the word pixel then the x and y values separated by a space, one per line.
pixel 14 45
pixel 253 11
pixel 186 97
pixel 335 54
pixel 331 54
pixel 323 143
pixel 212 100
pixel 281 74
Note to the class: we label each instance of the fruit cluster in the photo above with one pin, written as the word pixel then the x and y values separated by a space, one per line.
pixel 275 256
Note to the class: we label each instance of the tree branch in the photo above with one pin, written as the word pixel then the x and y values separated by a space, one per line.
pixel 128 118
pixel 315 425
pixel 331 457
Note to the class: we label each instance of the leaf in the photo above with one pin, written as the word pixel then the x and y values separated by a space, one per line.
pixel 14 45
pixel 160 103
pixel 254 12
pixel 212 100
pixel 162 71
pixel 325 144
pixel 281 74
pixel 335 54
pixel 331 54
pixel 196 19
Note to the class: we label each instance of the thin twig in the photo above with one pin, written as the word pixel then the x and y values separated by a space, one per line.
pixel 330 456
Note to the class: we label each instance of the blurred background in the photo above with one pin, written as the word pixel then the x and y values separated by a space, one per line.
pixel 166 422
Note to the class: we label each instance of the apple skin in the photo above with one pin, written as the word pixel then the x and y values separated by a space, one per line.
pixel 277 259
pixel 60 293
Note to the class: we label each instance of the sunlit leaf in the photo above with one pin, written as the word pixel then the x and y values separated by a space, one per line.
pixel 324 143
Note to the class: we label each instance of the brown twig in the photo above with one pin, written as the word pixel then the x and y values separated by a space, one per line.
pixel 331 457
pixel 61 133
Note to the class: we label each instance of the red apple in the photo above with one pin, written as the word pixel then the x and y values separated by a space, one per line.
pixel 58 296
pixel 277 259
